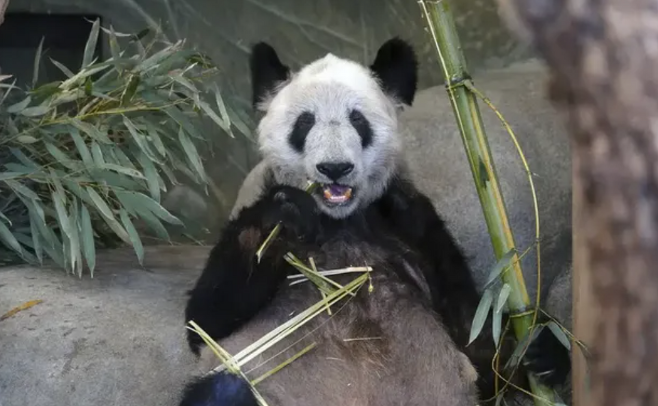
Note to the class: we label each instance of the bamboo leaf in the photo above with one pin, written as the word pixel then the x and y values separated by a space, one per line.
pixel 502 297
pixel 19 170
pixel 63 68
pixel 503 263
pixel 82 147
pixel 130 90
pixel 123 158
pixel 559 334
pixel 37 63
pixel 99 202
pixel 36 241
pixel 91 131
pixel 3 217
pixel 21 189
pixel 155 224
pixel 138 138
pixel 480 315
pixel 116 34
pixel 62 215
pixel 126 171
pixel 191 153
pixel 20 106
pixel 206 108
pixel 158 57
pixel 75 252
pixel 105 210
pixel 90 46
pixel 136 200
pixel 520 346
pixel 78 191
pixel 9 89
pixel 222 110
pixel 53 246
pixel 26 139
pixel 89 87
pixel 97 154
pixel 35 111
pixel 183 121
pixel 88 245
pixel 23 158
pixel 9 240
pixel 152 178
pixel 134 237
pixel 154 137
pixel 60 156
pixel 237 121
pixel 114 45
pixel 11 175
pixel 497 324
pixel 184 82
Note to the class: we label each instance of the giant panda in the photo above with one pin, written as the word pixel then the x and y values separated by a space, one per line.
pixel 334 122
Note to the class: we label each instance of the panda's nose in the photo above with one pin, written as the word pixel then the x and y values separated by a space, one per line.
pixel 335 170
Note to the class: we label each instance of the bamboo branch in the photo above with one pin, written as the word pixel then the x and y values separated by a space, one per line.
pixel 464 102
pixel 3 10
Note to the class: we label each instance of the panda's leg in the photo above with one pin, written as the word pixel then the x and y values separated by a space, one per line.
pixel 234 287
pixel 218 389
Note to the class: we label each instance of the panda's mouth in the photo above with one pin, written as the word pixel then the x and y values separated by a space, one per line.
pixel 335 194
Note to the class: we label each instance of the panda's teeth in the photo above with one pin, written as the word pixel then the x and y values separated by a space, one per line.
pixel 337 193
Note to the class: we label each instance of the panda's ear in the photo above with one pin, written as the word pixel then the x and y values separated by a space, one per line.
pixel 396 67
pixel 267 72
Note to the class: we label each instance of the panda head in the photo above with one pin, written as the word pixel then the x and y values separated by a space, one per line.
pixel 334 122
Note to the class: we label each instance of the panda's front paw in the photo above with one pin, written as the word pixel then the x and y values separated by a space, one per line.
pixel 548 359
pixel 295 210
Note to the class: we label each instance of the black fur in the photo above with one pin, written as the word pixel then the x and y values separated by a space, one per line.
pixel 233 288
pixel 267 71
pixel 397 68
pixel 362 126
pixel 218 389
pixel 300 130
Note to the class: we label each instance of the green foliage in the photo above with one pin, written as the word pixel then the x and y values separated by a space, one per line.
pixel 85 157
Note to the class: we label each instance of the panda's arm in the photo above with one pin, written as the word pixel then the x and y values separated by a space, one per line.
pixel 233 286
pixel 413 218
pixel 454 292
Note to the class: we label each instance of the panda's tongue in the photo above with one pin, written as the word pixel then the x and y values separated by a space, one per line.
pixel 337 193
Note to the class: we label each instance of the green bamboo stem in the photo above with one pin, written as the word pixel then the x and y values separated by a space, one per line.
pixel 442 28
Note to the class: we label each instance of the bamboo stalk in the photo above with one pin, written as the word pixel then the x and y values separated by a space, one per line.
pixel 464 103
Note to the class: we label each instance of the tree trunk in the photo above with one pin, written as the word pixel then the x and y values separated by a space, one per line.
pixel 603 55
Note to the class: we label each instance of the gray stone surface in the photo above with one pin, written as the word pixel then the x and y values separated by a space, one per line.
pixel 116 339
pixel 436 157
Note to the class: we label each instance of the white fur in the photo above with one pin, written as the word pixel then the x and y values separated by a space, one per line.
pixel 330 88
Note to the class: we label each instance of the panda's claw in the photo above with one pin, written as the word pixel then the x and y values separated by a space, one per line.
pixel 295 210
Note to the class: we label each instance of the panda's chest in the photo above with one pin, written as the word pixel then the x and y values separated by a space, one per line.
pixel 345 248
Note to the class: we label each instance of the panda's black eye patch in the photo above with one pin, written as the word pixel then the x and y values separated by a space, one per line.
pixel 362 126
pixel 300 130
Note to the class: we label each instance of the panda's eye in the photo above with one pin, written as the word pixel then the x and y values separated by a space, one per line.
pixel 362 126
pixel 300 130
